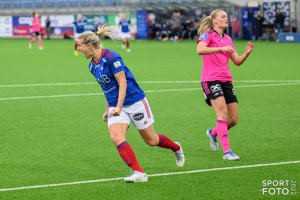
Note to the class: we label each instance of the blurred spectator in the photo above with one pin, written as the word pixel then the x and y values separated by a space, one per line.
pixel 258 25
pixel 294 25
pixel 279 21
pixel 176 21
pixel 165 32
pixel 48 28
pixel 268 34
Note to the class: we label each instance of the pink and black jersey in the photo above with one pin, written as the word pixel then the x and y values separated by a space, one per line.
pixel 215 66
pixel 36 25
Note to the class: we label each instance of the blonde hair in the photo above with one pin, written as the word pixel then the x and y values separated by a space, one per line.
pixel 206 23
pixel 89 37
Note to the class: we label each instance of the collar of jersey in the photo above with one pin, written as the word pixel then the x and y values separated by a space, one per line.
pixel 218 33
pixel 99 58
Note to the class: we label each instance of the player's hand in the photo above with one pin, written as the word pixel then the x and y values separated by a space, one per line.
pixel 250 46
pixel 105 116
pixel 229 49
pixel 116 111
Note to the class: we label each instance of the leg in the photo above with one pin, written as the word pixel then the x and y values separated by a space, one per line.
pixel 127 44
pixel 220 108
pixel 232 114
pixel 117 133
pixel 32 39
pixel 153 139
pixel 149 136
pixel 40 42
pixel 232 117
pixel 123 43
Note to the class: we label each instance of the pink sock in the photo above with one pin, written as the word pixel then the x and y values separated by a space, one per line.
pixel 214 131
pixel 127 154
pixel 165 142
pixel 40 43
pixel 222 131
pixel 32 40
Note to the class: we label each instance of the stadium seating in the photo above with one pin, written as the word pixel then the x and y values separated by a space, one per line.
pixel 20 5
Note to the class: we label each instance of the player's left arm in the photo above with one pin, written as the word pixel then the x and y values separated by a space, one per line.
pixel 238 60
pixel 121 79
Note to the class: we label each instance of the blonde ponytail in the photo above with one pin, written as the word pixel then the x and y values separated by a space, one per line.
pixel 89 37
pixel 205 24
pixel 108 31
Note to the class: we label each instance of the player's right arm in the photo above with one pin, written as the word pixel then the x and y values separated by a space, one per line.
pixel 203 49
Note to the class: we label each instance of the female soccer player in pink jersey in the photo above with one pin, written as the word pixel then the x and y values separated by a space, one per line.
pixel 216 48
pixel 36 31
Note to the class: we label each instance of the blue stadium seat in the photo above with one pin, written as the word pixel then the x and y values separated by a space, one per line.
pixel 73 3
pixel 85 3
pixel 39 4
pixel 27 4
pixel 17 4
pixel 6 4
pixel 96 3
pixel 49 3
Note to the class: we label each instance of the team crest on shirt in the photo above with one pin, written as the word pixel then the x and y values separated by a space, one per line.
pixel 117 64
pixel 204 36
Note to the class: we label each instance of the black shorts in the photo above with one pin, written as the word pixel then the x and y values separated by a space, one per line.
pixel 36 33
pixel 215 89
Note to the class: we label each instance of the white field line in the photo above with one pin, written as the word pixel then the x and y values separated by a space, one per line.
pixel 152 175
pixel 147 91
pixel 144 82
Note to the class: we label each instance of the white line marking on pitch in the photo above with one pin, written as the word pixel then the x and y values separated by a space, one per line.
pixel 152 175
pixel 147 91
pixel 143 82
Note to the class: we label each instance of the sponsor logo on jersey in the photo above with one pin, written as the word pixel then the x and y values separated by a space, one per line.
pixel 204 36
pixel 117 64
pixel 215 88
pixel 138 116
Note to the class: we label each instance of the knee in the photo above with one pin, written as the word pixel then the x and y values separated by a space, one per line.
pixel 223 113
pixel 152 141
pixel 116 140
